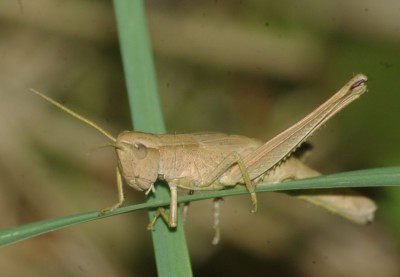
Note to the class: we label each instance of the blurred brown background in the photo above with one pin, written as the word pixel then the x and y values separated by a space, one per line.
pixel 243 67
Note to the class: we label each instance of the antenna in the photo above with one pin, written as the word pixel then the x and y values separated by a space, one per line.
pixel 74 114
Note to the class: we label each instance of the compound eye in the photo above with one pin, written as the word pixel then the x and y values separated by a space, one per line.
pixel 140 150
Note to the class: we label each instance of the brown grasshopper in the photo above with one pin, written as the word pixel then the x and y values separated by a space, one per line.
pixel 215 161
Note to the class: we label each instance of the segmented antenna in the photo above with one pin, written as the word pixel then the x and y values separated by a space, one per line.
pixel 74 114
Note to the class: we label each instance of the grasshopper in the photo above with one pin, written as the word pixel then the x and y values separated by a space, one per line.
pixel 215 161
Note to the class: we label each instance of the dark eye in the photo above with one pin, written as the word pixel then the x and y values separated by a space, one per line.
pixel 140 150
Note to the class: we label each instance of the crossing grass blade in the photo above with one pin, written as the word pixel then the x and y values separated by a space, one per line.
pixel 170 248
pixel 378 177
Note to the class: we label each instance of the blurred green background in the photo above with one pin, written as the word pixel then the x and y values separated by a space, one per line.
pixel 242 67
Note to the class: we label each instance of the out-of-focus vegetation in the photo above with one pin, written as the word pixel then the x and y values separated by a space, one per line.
pixel 243 67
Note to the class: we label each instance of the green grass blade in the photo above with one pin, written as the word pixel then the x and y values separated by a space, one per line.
pixel 170 246
pixel 379 177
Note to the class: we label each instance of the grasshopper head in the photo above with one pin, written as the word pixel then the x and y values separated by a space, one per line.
pixel 138 158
